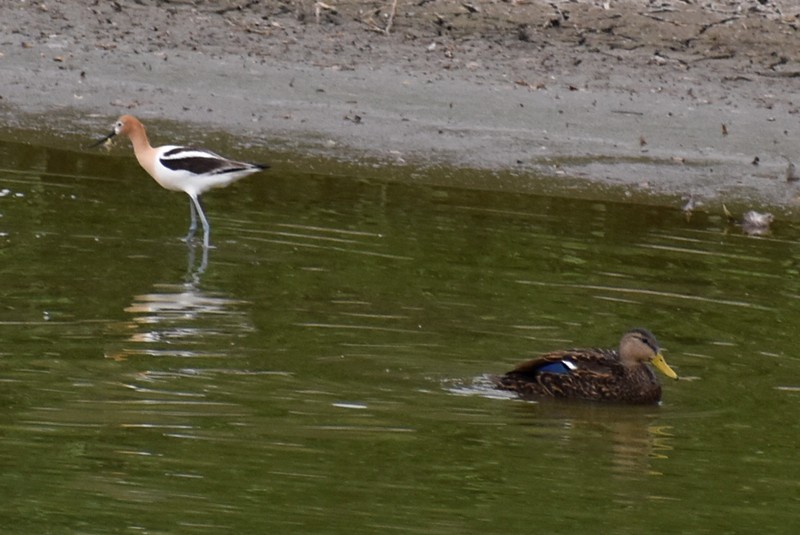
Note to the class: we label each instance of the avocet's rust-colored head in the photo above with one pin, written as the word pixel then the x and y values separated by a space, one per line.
pixel 126 125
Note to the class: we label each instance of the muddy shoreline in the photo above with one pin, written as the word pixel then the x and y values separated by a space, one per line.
pixel 665 99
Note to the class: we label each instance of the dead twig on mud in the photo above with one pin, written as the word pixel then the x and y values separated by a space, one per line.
pixel 319 7
pixel 237 7
pixel 662 19
pixel 390 21
pixel 373 26
pixel 705 27
pixel 784 74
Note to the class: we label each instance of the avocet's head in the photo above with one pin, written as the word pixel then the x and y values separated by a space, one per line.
pixel 123 126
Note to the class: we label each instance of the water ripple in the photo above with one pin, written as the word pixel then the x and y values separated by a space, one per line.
pixel 644 292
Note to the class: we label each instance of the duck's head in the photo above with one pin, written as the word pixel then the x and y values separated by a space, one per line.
pixel 640 345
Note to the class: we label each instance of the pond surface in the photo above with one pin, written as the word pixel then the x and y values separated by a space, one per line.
pixel 326 372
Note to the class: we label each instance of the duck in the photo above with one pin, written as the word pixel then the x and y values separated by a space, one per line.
pixel 753 223
pixel 756 223
pixel 606 375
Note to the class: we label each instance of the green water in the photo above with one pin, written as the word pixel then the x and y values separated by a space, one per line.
pixel 326 372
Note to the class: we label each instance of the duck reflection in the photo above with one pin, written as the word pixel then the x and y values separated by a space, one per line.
pixel 631 437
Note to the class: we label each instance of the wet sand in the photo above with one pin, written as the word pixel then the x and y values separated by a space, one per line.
pixel 662 101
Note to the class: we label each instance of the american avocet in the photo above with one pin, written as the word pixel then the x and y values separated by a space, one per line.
pixel 191 170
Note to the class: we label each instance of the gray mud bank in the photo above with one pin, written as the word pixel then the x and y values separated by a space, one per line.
pixel 536 99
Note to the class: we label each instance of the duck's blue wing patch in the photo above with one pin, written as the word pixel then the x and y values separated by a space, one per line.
pixel 560 366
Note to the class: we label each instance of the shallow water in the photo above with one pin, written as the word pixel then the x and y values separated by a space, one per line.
pixel 325 372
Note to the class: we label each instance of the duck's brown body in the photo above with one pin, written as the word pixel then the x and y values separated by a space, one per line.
pixel 593 374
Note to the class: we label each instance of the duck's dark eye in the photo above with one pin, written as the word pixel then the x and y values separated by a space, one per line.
pixel 648 343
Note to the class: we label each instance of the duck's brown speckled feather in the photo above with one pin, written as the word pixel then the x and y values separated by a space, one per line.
pixel 598 375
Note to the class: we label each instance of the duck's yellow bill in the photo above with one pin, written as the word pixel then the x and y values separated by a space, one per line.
pixel 659 362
